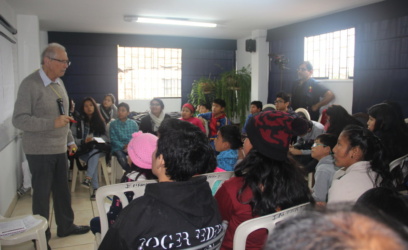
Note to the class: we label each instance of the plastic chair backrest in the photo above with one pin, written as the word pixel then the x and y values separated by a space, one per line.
pixel 268 222
pixel 137 187
pixel 214 243
pixel 216 179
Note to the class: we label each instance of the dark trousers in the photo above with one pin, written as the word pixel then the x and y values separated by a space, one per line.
pixel 49 174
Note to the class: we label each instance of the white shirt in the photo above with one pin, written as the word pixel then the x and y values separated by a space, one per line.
pixel 349 184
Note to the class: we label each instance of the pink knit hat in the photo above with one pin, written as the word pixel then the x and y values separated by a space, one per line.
pixel 141 148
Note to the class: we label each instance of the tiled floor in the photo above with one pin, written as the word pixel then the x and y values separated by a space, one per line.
pixel 84 210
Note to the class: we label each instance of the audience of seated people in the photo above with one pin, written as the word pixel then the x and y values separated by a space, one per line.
pixel 255 108
pixel 89 126
pixel 216 119
pixel 187 114
pixel 108 109
pixel 140 150
pixel 179 211
pixel 266 181
pixel 152 122
pixel 228 143
pixel 322 151
pixel 120 133
pixel 360 155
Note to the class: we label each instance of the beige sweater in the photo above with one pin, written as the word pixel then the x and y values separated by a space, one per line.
pixel 35 110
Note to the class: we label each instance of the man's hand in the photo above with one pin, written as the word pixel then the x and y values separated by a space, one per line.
pixel 315 107
pixel 61 121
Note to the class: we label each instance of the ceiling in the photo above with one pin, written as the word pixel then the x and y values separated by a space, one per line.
pixel 236 18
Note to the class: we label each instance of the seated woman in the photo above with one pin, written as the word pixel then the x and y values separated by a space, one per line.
pixel 359 152
pixel 385 122
pixel 151 123
pixel 89 126
pixel 338 118
pixel 108 109
pixel 140 150
pixel 266 181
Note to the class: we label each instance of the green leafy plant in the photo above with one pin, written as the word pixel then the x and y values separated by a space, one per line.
pixel 202 91
pixel 235 88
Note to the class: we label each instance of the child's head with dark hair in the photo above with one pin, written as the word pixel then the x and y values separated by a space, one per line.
pixel 228 137
pixel 323 146
pixel 218 107
pixel 182 151
pixel 256 107
pixel 125 105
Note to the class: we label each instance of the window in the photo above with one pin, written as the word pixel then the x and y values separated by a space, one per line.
pixel 145 73
pixel 331 54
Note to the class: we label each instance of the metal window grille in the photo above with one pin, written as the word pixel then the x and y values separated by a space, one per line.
pixel 145 73
pixel 331 54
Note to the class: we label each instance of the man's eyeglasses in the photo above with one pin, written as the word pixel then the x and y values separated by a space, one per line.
pixel 67 62
pixel 278 101
pixel 318 144
pixel 302 69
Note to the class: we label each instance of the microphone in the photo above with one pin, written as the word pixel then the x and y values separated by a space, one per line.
pixel 60 106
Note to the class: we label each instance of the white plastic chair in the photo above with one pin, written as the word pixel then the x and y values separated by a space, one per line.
pixel 137 187
pixel 116 170
pixel 36 233
pixel 214 243
pixel 101 167
pixel 216 179
pixel 268 222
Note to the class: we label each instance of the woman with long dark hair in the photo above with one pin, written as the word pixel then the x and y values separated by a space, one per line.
pixel 338 118
pixel 266 181
pixel 108 109
pixel 90 126
pixel 360 154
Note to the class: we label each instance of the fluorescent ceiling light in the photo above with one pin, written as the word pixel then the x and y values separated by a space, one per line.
pixel 168 21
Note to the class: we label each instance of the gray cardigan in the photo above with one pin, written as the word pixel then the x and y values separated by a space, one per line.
pixel 35 110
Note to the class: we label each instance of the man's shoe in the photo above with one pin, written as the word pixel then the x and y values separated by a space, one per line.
pixel 93 195
pixel 22 191
pixel 75 230
pixel 86 183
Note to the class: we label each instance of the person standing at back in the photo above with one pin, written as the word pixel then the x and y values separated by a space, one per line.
pixel 39 111
pixel 306 92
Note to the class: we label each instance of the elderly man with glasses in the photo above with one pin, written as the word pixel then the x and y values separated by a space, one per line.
pixel 41 112
pixel 308 94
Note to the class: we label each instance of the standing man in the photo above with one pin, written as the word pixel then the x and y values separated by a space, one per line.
pixel 307 92
pixel 39 111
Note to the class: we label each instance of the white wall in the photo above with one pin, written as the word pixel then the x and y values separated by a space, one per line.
pixel 343 90
pixel 28 60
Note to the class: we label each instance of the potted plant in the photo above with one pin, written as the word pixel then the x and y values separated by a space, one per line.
pixel 202 91
pixel 235 88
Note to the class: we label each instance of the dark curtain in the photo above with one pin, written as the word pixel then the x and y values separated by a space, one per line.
pixel 281 80
pixel 94 68
pixel 381 63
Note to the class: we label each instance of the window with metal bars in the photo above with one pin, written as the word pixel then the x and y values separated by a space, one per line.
pixel 145 73
pixel 331 54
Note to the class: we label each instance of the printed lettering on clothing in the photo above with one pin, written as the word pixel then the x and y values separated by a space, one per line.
pixel 181 239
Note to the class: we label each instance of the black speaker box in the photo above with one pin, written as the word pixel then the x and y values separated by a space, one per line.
pixel 250 45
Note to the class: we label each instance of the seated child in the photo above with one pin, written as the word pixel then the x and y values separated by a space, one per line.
pixel 325 169
pixel 187 114
pixel 256 107
pixel 172 212
pixel 140 150
pixel 216 119
pixel 228 142
pixel 120 132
